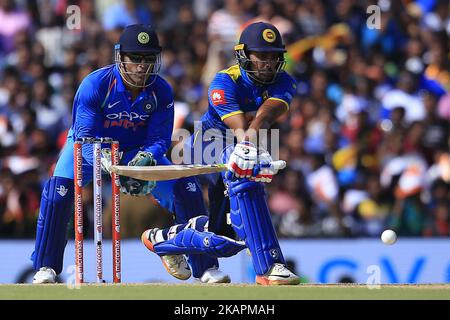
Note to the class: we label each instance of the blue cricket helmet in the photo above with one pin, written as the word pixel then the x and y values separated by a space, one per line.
pixel 260 37
pixel 138 39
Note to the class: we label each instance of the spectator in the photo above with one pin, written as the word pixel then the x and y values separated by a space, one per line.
pixel 13 20
pixel 267 13
pixel 370 102
pixel 438 224
pixel 51 114
pixel 124 13
pixel 292 212
pixel 404 95
pixel 223 27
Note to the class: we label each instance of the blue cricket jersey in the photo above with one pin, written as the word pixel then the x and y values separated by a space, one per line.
pixel 103 108
pixel 232 92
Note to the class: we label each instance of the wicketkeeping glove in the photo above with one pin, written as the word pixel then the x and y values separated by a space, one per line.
pixel 106 159
pixel 136 187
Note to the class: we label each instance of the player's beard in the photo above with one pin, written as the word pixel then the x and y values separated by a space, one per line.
pixel 265 75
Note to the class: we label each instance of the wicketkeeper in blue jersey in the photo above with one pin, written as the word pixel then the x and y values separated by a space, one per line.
pixel 129 102
pixel 246 97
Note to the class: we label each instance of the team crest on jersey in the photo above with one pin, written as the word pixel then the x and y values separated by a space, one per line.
pixel 149 104
pixel 218 97
pixel 148 107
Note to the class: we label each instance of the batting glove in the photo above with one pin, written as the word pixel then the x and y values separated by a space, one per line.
pixel 242 160
pixel 264 171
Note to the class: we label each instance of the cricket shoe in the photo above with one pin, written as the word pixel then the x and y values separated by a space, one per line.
pixel 278 275
pixel 214 275
pixel 176 265
pixel 45 275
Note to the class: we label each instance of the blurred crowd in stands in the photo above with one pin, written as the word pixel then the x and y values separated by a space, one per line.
pixel 367 138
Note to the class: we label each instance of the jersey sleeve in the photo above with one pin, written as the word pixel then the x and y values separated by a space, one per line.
pixel 283 90
pixel 222 96
pixel 160 127
pixel 87 118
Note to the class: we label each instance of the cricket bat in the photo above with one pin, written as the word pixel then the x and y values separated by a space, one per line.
pixel 175 171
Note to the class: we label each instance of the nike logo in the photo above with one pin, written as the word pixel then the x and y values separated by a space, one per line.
pixel 112 105
pixel 280 275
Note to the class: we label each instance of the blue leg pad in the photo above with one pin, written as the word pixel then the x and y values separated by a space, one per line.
pixel 188 202
pixel 193 242
pixel 54 215
pixel 251 220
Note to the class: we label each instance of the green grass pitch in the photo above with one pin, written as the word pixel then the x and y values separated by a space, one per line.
pixel 224 292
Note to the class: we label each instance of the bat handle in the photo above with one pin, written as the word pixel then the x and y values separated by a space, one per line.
pixel 278 165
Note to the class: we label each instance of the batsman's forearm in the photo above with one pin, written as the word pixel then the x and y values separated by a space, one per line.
pixel 265 118
pixel 267 114
pixel 262 122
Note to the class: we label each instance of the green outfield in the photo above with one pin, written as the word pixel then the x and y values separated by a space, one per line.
pixel 224 292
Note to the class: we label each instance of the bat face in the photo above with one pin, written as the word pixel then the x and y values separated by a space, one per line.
pixel 160 173
pixel 175 171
